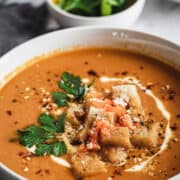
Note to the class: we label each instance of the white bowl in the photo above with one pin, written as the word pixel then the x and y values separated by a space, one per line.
pixel 122 19
pixel 85 36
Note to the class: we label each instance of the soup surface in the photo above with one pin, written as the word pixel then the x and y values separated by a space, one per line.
pixel 92 114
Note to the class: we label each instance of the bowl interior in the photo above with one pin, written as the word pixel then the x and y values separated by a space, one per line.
pixel 83 37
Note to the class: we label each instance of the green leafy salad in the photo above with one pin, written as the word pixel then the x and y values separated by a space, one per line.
pixel 93 8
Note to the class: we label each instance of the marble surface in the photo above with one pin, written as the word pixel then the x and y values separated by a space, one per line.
pixel 159 17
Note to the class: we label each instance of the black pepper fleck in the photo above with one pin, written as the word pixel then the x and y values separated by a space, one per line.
pixel 93 73
pixel 8 112
pixel 124 73
pixel 178 116
pixel 174 127
pixel 117 73
pixel 14 100
pixel 38 172
pixel 47 171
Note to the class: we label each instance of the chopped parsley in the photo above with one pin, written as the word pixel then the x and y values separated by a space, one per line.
pixel 60 98
pixel 74 89
pixel 56 148
pixel 72 85
pixel 33 135
pixel 60 123
pixel 39 135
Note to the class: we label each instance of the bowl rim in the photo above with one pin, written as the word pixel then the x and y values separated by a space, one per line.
pixel 92 18
pixel 154 38
pixel 150 37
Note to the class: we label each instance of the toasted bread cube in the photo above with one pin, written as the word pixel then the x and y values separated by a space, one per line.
pixel 128 94
pixel 146 138
pixel 118 136
pixel 82 134
pixel 84 164
pixel 95 113
pixel 115 155
pixel 92 115
pixel 71 116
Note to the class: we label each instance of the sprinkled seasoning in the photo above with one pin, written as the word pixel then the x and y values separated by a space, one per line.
pixel 14 101
pixel 9 112
pixel 124 73
pixel 26 97
pixel 93 73
pixel 141 67
pixel 178 116
pixel 26 169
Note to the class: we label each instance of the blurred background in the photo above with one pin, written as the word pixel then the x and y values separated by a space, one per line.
pixel 21 20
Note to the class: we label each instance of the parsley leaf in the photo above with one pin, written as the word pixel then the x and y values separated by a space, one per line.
pixel 43 149
pixel 56 148
pixel 47 122
pixel 59 148
pixel 72 85
pixel 33 135
pixel 60 98
pixel 60 123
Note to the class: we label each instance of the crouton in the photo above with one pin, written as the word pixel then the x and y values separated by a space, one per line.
pixel 92 115
pixel 84 164
pixel 115 155
pixel 146 137
pixel 127 95
pixel 82 135
pixel 74 113
pixel 118 136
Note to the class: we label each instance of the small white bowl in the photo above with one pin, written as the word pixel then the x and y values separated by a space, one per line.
pixel 122 19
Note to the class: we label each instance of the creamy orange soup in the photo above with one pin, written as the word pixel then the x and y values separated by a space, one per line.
pixel 130 117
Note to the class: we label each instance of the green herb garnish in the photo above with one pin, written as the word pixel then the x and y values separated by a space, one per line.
pixel 60 123
pixel 72 85
pixel 74 89
pixel 56 148
pixel 60 98
pixel 34 135
pixel 39 135
pixel 95 7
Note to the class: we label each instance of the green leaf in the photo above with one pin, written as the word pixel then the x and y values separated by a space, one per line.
pixel 94 7
pixel 60 123
pixel 43 149
pixel 80 6
pixel 72 85
pixel 47 122
pixel 59 148
pixel 106 8
pixel 56 148
pixel 60 98
pixel 33 135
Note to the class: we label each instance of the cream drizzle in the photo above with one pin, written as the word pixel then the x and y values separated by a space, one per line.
pixel 60 161
pixel 57 160
pixel 160 106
